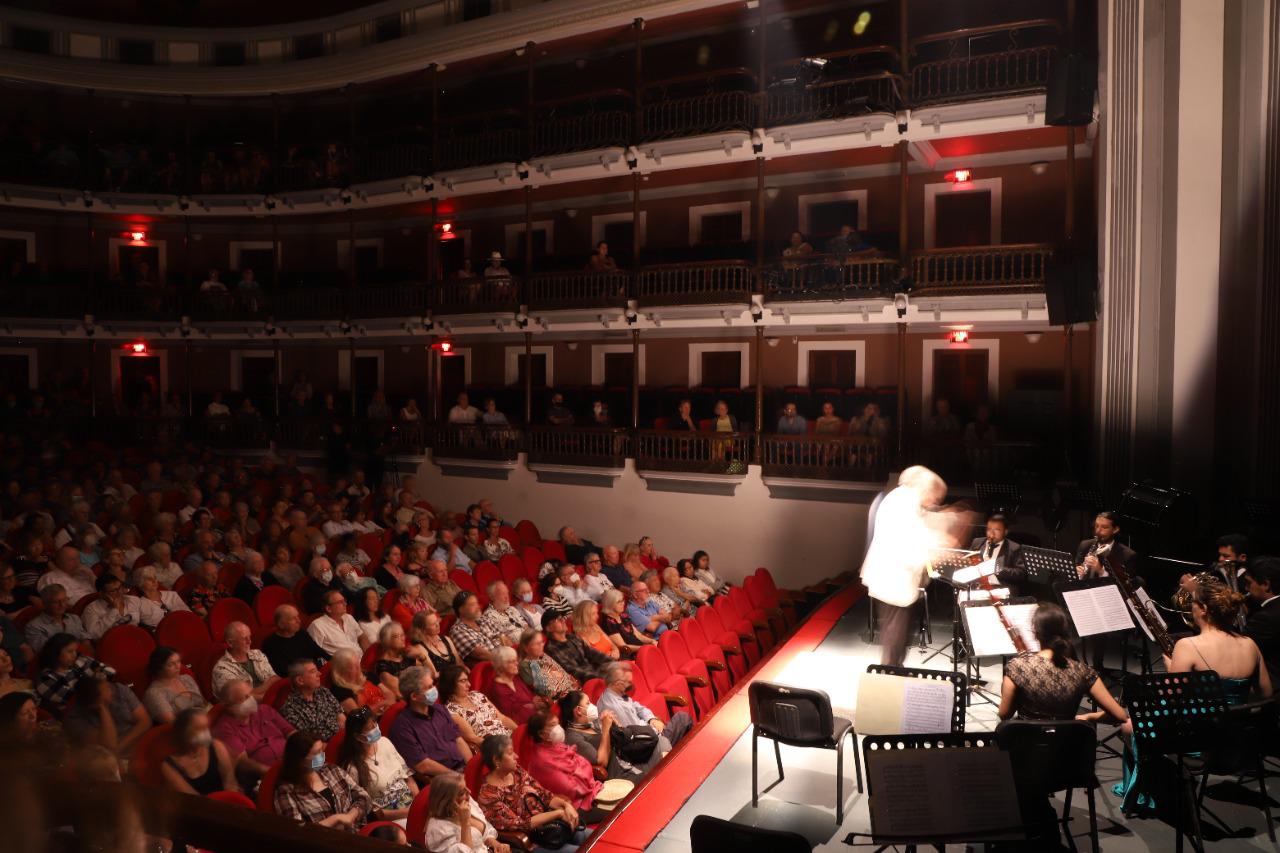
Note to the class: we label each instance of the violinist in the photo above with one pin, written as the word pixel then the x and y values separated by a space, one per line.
pixel 1010 569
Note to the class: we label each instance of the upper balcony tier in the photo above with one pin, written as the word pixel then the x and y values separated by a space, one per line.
pixel 389 147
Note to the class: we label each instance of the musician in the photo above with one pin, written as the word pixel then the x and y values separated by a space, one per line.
pixel 1010 569
pixel 895 567
pixel 1105 529
pixel 1261 579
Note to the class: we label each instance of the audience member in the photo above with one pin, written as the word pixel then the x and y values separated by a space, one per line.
pixel 791 422
pixel 869 424
pixel 575 547
pixel 475 716
pixel 205 591
pixel 106 714
pixel 616 625
pixel 455 822
pixel 425 638
pixel 628 712
pixel 254 734
pixel 574 656
pixel 69 573
pixel 646 613
pixel 539 670
pixel 449 552
pixel 289 643
pixel 335 628
pixel 513 802
pixel 254 579
pixel 61 666
pixel 557 413
pixel 568 586
pixel 112 607
pixel 394 657
pixel 373 762
pixel 557 766
pixel 691 584
pixel 440 591
pixel 797 246
pixel 510 694
pixel 199 764
pixel 463 412
pixel 352 689
pixel 1263 625
pixel 310 706
pixel 311 791
pixel 980 430
pixel 8 683
pixel 684 421
pixel 601 260
pixel 491 417
pixel 424 733
pixel 171 690
pixel 474 639
pixel 942 422
pixel 495 269
pixel 241 661
pixel 613 569
pixel 54 618
pixel 590 732
pixel 703 571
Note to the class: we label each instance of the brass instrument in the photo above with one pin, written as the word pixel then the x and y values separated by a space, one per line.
pixel 1182 598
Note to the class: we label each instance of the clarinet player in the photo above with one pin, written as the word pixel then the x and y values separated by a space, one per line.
pixel 1092 556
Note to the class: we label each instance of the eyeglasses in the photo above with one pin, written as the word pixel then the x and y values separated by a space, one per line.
pixel 593 561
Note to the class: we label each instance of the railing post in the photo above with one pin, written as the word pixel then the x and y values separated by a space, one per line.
pixel 637 107
pixel 433 77
pixel 275 386
pixel 904 211
pixel 635 379
pixel 902 387
pixel 275 256
pixel 528 379
pixel 528 231
pixel 760 218
pixel 762 87
pixel 429 274
pixel 633 290
pixel 187 360
pixel 186 145
pixel 759 425
pixel 275 142
pixel 904 45
pixel 528 102
pixel 351 348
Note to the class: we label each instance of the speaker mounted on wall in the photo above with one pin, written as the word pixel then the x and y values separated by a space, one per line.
pixel 1073 81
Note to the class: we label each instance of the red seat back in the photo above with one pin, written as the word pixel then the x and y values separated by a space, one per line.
pixel 234 798
pixel 416 822
pixel 486 573
pixel 183 585
pixel 228 610
pixel 186 632
pixel 127 649
pixel 267 789
pixel 370 657
pixel 25 615
pixel 474 774
pixel 82 602
pixel 653 664
pixel 229 575
pixel 266 602
pixel 553 550
pixel 152 749
pixel 674 649
pixel 277 693
pixel 389 716
pixel 204 668
pixel 759 596
pixel 335 743
pixel 528 533
pixel 482 676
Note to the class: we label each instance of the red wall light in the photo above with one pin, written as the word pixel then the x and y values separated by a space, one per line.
pixel 444 347
pixel 958 336
pixel 138 236
pixel 136 348
pixel 960 176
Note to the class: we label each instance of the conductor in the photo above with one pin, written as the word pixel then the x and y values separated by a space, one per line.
pixel 896 566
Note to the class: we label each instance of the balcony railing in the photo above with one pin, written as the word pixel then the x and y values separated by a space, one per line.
pixel 699 283
pixel 694 452
pixel 828 277
pixel 816 457
pixel 582 123
pixel 832 99
pixel 979 62
pixel 549 291
pixel 714 102
pixel 398 300
pixel 458 441
pixel 496 137
pixel 596 448
pixel 477 295
pixel 981 268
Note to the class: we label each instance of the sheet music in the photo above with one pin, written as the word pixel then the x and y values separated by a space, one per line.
pixel 941 793
pixel 1097 610
pixel 1145 601
pixel 989 637
pixel 927 706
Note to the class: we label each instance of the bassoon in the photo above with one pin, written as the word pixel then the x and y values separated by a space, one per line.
pixel 1157 630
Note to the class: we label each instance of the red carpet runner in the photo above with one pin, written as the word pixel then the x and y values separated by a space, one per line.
pixel 639 819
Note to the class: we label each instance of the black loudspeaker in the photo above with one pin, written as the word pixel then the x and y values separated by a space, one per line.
pixel 1069 292
pixel 1073 79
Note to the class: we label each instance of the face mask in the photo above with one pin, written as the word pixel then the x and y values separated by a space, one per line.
pixel 203 738
pixel 526 597
pixel 90 540
pixel 555 734
pixel 326 577
pixel 593 713
pixel 317 761
pixel 247 708
pixel 319 549
pixel 372 735
pixel 432 696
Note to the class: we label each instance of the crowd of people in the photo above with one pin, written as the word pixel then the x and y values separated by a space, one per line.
pixel 384 668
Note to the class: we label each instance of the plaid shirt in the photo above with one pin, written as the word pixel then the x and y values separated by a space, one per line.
pixel 318 714
pixel 308 806
pixel 468 639
pixel 53 687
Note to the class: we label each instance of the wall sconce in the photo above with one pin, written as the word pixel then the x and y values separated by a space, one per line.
pixel 900 304
pixel 1034 337
pixel 1039 167
pixel 771 193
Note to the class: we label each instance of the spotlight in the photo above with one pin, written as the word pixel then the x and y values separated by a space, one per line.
pixel 900 304
pixel 138 236
pixel 136 348
pixel 960 176
pixel 1034 337
pixel 344 327
pixel 1039 167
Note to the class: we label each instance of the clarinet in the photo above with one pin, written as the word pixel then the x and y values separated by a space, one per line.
pixel 1157 631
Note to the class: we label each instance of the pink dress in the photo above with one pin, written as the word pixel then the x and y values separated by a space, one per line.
pixel 561 770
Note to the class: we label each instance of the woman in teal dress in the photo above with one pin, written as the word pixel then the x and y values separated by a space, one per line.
pixel 1218 647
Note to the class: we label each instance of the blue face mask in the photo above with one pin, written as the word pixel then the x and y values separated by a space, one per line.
pixel 317 761
pixel 372 735
pixel 432 696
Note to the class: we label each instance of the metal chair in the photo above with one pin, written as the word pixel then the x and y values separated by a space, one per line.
pixel 1240 752
pixel 798 717
pixel 713 835
pixel 1052 756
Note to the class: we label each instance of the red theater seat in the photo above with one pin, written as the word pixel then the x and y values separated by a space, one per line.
pixel 127 648
pixel 686 647
pixel 228 610
pixel 697 697
pixel 266 602
pixel 187 633
pixel 741 654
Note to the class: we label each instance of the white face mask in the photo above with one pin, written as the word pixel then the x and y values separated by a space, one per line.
pixel 247 708
pixel 326 577
pixel 203 738
pixel 593 713
pixel 555 734
pixel 526 597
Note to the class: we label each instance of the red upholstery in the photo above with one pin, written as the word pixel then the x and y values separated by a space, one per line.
pixel 127 648
pixel 183 585
pixel 228 610
pixel 335 743
pixel 738 655
pixel 370 657
pixel 296 592
pixel 152 749
pixel 267 790
pixel 594 688
pixel 186 632
pixel 389 716
pixel 277 693
pixel 266 602
pixel 82 602
pixel 765 628
pixel 668 680
pixel 683 661
pixel 553 550
pixel 485 573
pixel 25 615
pixel 204 668
pixel 699 646
pixel 648 696
pixel 735 622
pixel 372 827
pixel 416 822
pixel 768 600
pixel 371 544
pixel 474 774
pixel 229 575
pixel 482 676
pixel 528 533
pixel 234 798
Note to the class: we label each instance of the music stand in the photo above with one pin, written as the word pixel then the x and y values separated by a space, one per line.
pixel 1175 714
pixel 945 562
pixel 943 749
pixel 1046 566
pixel 1006 497
pixel 957 681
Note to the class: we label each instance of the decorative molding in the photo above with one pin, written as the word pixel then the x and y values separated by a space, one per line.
pixel 33 363
pixel 514 246
pixel 933 190
pixel 859 362
pixel 698 211
pixel 807 201
pixel 161 354
pixel 600 220
pixel 598 352
pixel 932 345
pixel 744 363
pixel 238 357
pixel 511 373
pixel 29 237
pixel 344 366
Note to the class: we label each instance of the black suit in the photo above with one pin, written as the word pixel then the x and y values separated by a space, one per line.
pixel 1126 556
pixel 1010 569
pixel 1263 628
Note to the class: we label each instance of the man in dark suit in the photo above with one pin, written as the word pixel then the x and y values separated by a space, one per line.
pixel 1263 626
pixel 1010 569
pixel 1106 526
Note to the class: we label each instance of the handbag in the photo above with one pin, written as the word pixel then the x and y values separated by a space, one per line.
pixel 552 834
pixel 635 744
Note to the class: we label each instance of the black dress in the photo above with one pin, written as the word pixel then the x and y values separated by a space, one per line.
pixel 208 781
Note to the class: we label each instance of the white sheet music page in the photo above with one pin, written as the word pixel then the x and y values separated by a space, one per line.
pixel 1097 610
pixel 1022 618
pixel 987 633
pixel 927 706
pixel 969 574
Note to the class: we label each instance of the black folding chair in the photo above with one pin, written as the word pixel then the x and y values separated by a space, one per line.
pixel 798 717
pixel 1052 756
pixel 1239 752
pixel 713 835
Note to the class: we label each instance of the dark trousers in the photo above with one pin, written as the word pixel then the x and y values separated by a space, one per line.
pixel 895 627
pixel 678 727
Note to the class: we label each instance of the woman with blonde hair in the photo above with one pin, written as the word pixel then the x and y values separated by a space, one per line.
pixel 631 560
pixel 585 625
pixel 352 689
pixel 455 822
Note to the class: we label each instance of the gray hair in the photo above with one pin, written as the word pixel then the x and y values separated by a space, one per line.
pixel 385 632
pixel 47 594
pixel 411 680
pixel 503 655
pixel 408 582
pixel 154 550
pixel 280 611
pixel 231 629
pixel 613 672
pixel 493 585
pixel 610 598
pixel 231 682
pixel 143 573
pixel 647 574
pixel 298 667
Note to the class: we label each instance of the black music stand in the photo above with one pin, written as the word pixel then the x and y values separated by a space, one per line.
pixel 957 681
pixel 1175 714
pixel 1045 566
pixel 999 497
pixel 945 562
pixel 1010 830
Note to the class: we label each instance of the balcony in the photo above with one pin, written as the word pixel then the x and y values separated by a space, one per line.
pixel 981 269
pixel 561 290
pixel 698 104
pixel 829 277
pixel 578 446
pixel 478 443
pixel 697 283
pixel 846 458
pixel 492 295
pixel 583 123
pixel 983 62
pixel 694 452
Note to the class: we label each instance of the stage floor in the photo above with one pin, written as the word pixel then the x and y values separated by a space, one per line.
pixel 805 801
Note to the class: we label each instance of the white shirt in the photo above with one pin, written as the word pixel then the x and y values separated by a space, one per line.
pixel 626 710
pixel 575 595
pixel 900 548
pixel 100 616
pixel 332 636
pixel 445 836
pixel 459 415
pixel 217 410
pixel 371 630
pixel 63 536
pixel 595 585
pixel 184 514
pixel 385 767
pixel 168 575
pixel 131 556
pixel 334 529
pixel 78 584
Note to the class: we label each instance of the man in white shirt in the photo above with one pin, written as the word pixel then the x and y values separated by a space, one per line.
pixel 194 501
pixel 79 525
pixel 336 525
pixel 450 553
pixel 629 712
pixel 75 577
pixel 570 586
pixel 113 607
pixel 55 618
pixel 336 629
pixel 217 408
pixel 464 412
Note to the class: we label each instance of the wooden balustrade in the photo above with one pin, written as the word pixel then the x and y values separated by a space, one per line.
pixel 587 446
pixel 701 452
pixel 979 62
pixel 549 291
pixel 561 134
pixel 389 161
pixel 477 295
pixel 398 300
pixel 981 268
pixel 832 99
pixel 820 277
pixel 464 441
pixel 825 458
pixel 704 282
